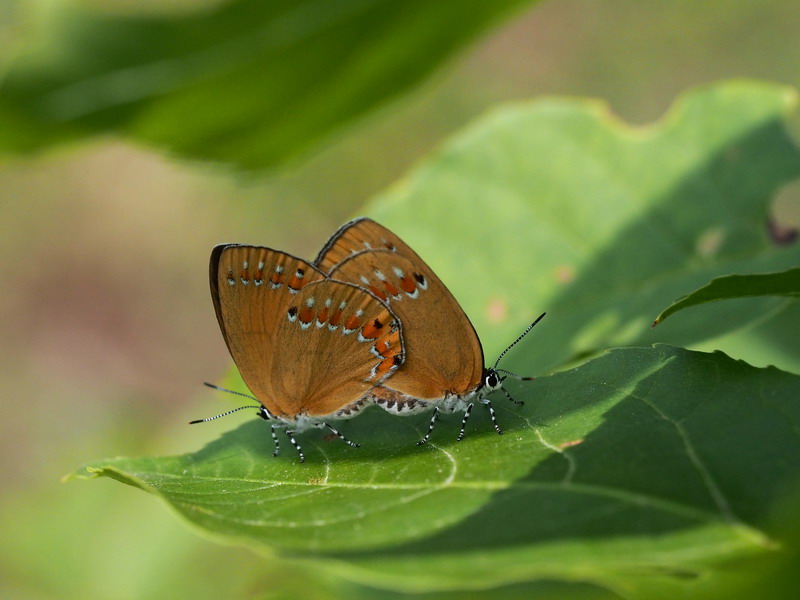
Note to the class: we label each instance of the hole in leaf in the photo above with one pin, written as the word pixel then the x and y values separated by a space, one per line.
pixel 784 220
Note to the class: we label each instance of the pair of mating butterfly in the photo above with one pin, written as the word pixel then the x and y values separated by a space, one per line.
pixel 367 323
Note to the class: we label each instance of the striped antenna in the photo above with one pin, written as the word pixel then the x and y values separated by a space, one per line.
pixel 516 341
pixel 230 412
pixel 227 391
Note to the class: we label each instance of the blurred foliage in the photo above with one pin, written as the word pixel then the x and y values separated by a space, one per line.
pixel 598 223
pixel 247 83
pixel 108 321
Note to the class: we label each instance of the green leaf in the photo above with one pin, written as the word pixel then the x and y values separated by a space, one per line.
pixel 555 205
pixel 248 82
pixel 784 283
pixel 642 468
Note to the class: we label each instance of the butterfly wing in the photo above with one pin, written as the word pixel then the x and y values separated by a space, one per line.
pixel 443 352
pixel 303 344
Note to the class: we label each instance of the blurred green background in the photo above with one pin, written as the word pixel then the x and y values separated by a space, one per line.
pixel 108 330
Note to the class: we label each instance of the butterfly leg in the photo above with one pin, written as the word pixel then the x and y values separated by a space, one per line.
pixel 517 402
pixel 488 404
pixel 425 439
pixel 464 421
pixel 340 436
pixel 275 439
pixel 290 435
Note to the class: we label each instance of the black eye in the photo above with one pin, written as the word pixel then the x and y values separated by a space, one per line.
pixel 492 380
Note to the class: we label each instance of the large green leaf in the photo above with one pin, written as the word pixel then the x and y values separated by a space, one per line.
pixel 783 283
pixel 555 205
pixel 250 82
pixel 643 469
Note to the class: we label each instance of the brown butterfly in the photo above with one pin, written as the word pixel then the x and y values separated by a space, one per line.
pixel 309 348
pixel 444 364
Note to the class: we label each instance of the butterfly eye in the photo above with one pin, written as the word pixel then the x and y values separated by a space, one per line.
pixel 492 381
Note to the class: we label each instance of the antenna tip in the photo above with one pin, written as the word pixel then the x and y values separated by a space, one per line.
pixel 195 421
pixel 211 385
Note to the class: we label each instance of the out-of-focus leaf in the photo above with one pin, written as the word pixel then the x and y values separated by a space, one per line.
pixel 250 83
pixel 554 205
pixel 784 283
pixel 642 469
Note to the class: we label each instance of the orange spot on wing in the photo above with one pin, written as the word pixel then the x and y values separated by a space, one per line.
pixel 336 318
pixel 372 330
pixel 393 340
pixel 295 282
pixel 306 314
pixel 383 347
pixel 393 291
pixel 323 315
pixel 378 292
pixel 389 345
pixel 276 278
pixel 352 323
pixel 408 284
pixel 385 366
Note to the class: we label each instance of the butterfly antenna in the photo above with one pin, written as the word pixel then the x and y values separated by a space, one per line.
pixel 222 389
pixel 225 414
pixel 230 412
pixel 516 341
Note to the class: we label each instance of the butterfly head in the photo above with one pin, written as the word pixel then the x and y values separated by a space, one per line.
pixel 491 380
pixel 493 377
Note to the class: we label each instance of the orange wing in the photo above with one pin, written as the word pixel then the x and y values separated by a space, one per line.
pixel 443 352
pixel 303 344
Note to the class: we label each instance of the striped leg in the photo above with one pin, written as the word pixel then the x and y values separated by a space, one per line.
pixel 464 421
pixel 340 436
pixel 275 439
pixel 488 403
pixel 290 435
pixel 425 439
pixel 517 402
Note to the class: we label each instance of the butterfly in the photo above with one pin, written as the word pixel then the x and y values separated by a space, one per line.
pixel 308 347
pixel 444 365
pixel 367 322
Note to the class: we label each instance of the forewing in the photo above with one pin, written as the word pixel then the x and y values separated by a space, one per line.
pixel 443 352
